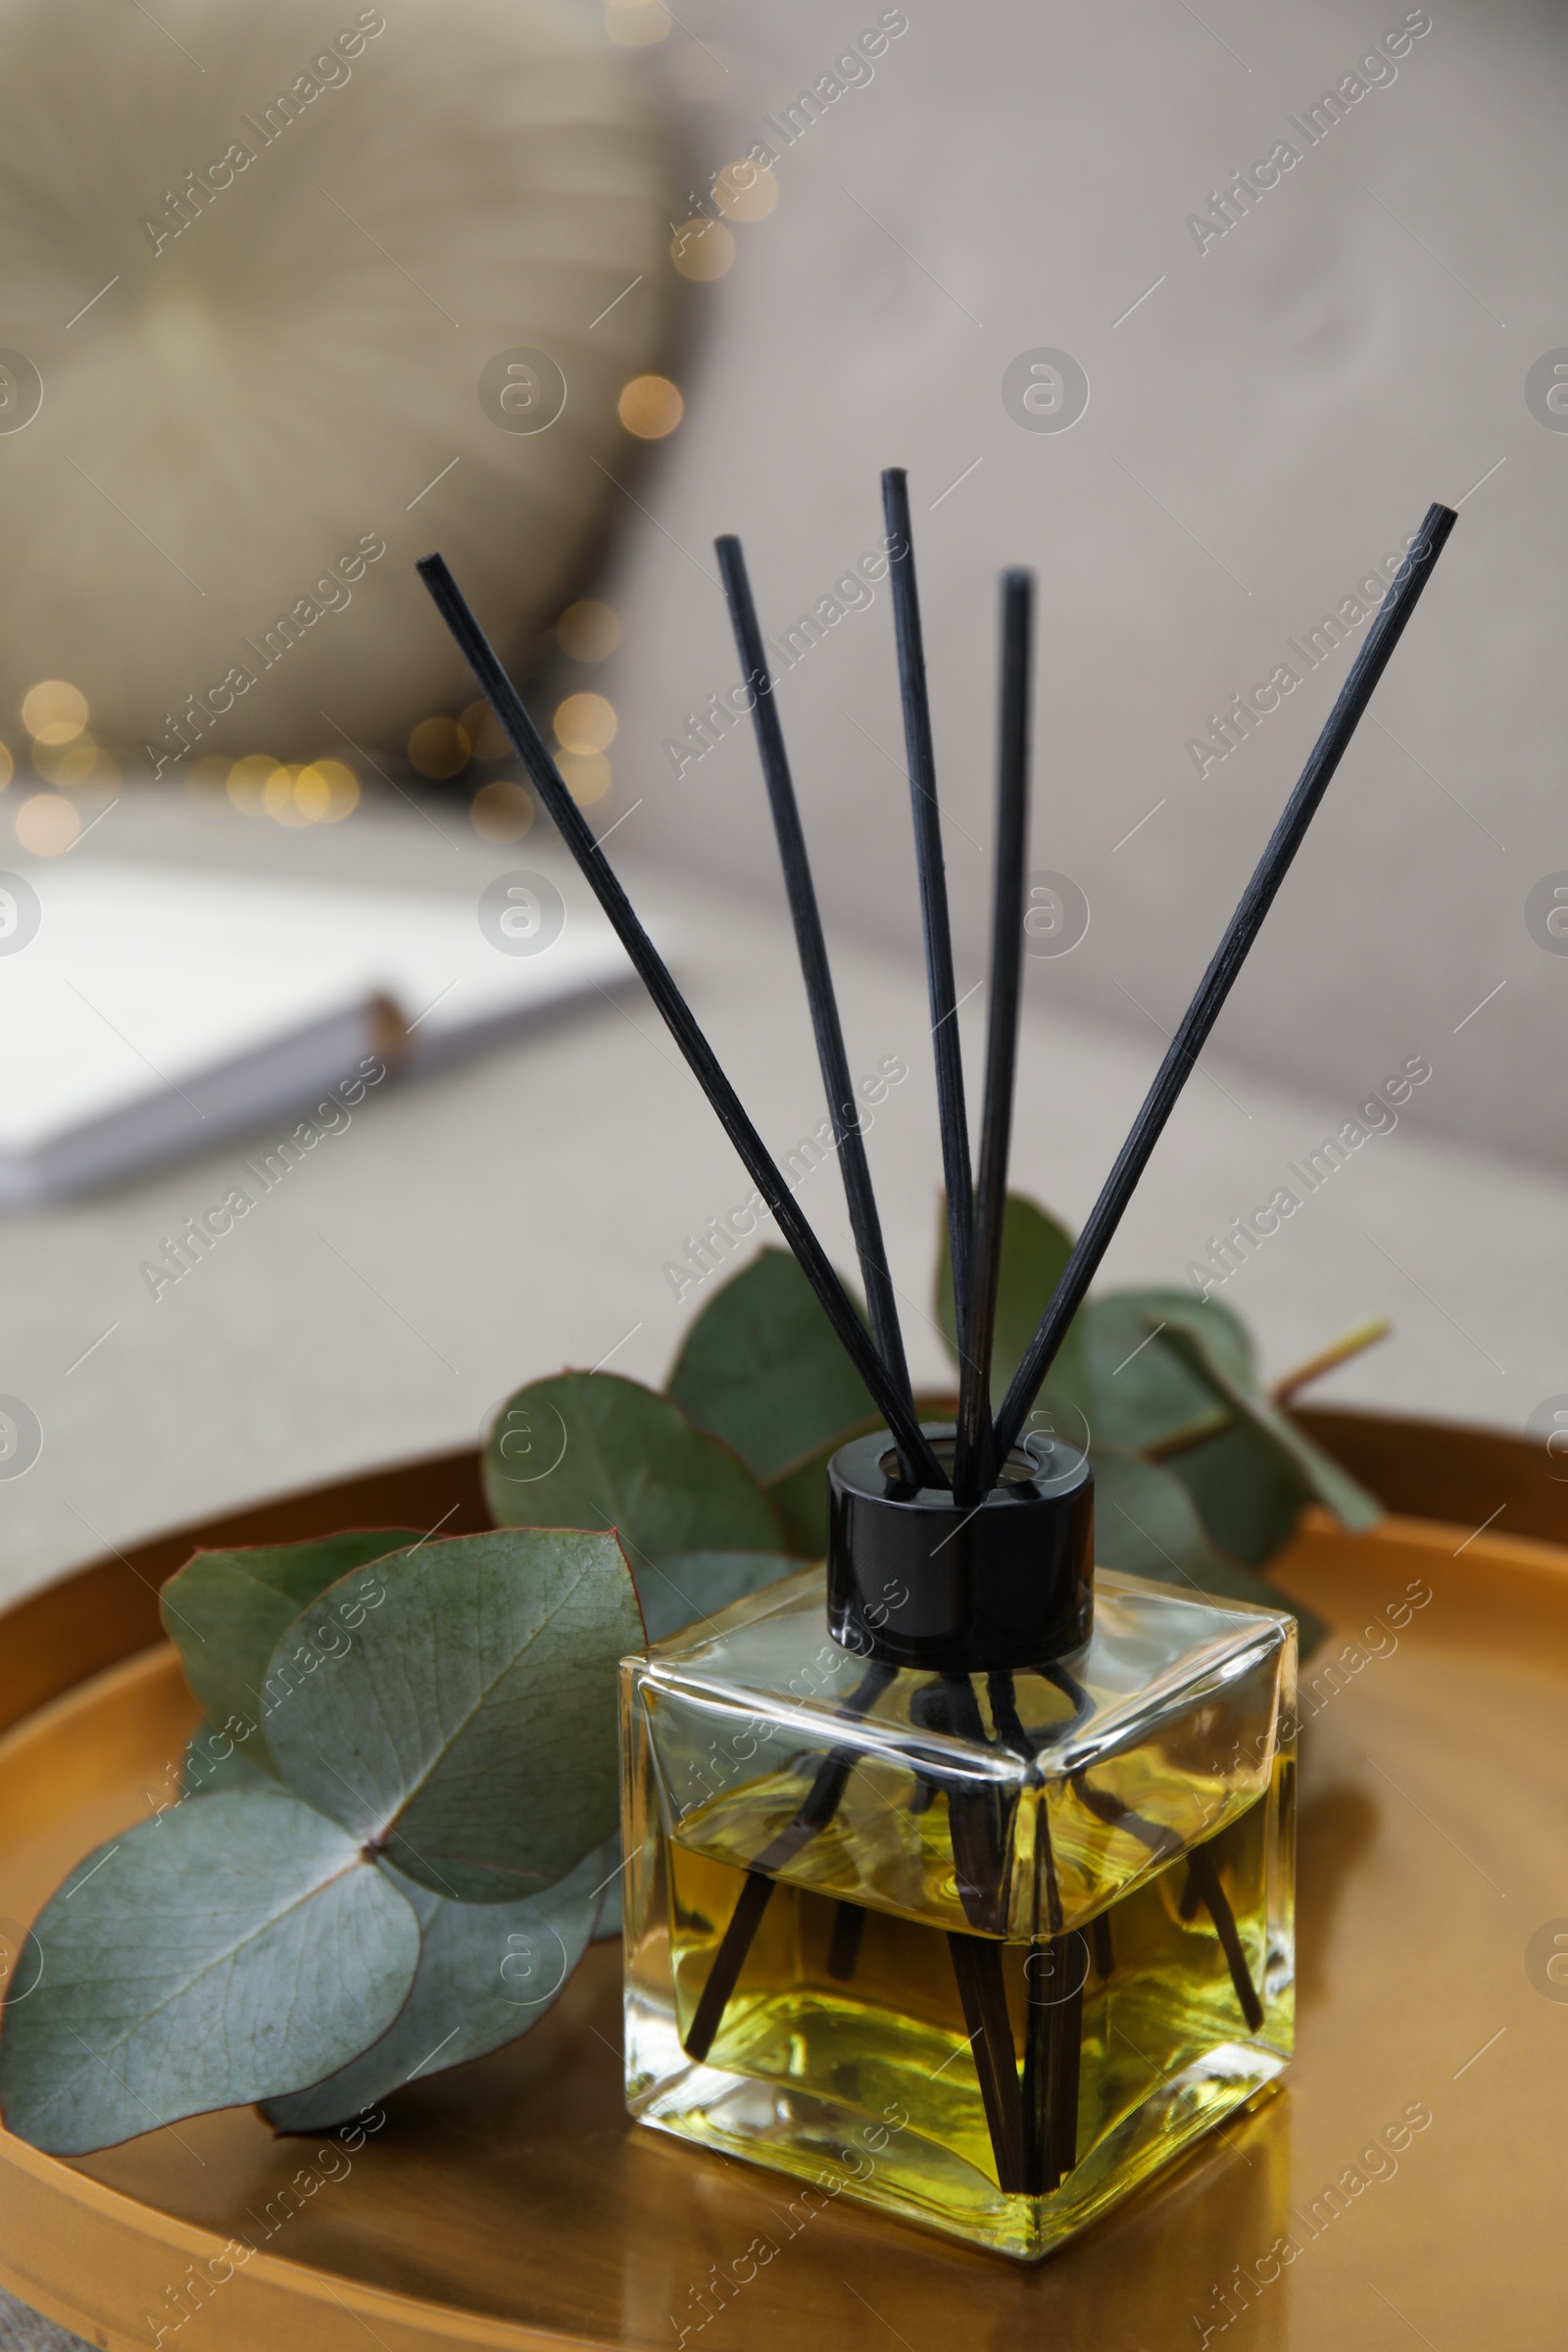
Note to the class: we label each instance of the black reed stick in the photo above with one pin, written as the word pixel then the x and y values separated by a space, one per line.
pixel 980 1836
pixel 763 1170
pixel 1037 2122
pixel 983 1996
pixel 941 990
pixel 756 1893
pixel 1215 986
pixel 1203 1884
pixel 1045 2066
pixel 1205 1878
pixel 843 1108
pixel 1065 2033
pixel 973 1466
pixel 843 1944
pixel 814 1814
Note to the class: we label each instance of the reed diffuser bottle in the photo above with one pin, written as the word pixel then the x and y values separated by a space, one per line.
pixel 978 1901
pixel 959 1879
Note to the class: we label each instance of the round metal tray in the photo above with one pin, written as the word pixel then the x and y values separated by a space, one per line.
pixel 511 2203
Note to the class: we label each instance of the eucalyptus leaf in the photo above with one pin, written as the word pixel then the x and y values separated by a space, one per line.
pixel 1138 1394
pixel 468 1734
pixel 588 1450
pixel 1248 1496
pixel 213 1763
pixel 1035 1249
pixel 226 1610
pixel 1146 1525
pixel 799 1494
pixel 1189 1337
pixel 230 1950
pixel 676 1593
pixel 487 1973
pixel 762 1369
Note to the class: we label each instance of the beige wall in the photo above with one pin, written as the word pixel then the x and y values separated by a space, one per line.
pixel 1270 422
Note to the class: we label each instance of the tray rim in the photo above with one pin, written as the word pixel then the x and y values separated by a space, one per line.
pixel 88 2200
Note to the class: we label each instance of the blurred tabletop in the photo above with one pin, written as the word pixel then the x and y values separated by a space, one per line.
pixel 523 1211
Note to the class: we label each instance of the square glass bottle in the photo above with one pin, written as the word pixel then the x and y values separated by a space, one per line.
pixel 979 1942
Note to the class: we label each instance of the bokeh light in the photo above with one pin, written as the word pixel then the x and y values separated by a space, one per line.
pixel 702 250
pixel 8 765
pixel 746 191
pixel 586 722
pixel 650 407
pixel 248 780
pixel 326 792
pixel 588 631
pixel 277 798
pixel 318 792
pixel 484 731
pixel 637 24
pixel 586 775
pixel 439 748
pixel 501 810
pixel 46 824
pixel 70 764
pixel 54 711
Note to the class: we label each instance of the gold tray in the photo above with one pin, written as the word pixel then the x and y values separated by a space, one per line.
pixel 511 2204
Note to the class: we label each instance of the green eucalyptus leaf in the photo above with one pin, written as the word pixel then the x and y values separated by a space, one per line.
pixel 762 1369
pixel 675 1592
pixel 1190 1336
pixel 213 1763
pixel 1035 1249
pixel 487 1973
pixel 1140 1396
pixel 588 1450
pixel 799 1494
pixel 226 1610
pixel 1146 1525
pixel 468 1732
pixel 230 1950
pixel 1247 1494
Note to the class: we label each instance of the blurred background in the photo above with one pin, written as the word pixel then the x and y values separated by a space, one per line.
pixel 1193 313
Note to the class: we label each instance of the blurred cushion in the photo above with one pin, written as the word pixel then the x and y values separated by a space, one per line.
pixel 272 271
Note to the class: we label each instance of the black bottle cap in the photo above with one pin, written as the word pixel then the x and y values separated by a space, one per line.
pixel 914 1579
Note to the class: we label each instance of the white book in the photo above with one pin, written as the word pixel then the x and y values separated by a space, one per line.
pixel 147 1011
